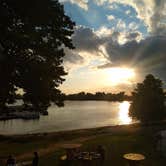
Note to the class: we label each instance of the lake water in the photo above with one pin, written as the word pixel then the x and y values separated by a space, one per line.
pixel 75 115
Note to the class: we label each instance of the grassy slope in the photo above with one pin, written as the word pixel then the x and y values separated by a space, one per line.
pixel 116 140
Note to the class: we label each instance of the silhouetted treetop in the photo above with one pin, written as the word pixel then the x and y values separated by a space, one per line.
pixel 148 100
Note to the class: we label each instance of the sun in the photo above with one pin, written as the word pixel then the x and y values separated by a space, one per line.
pixel 119 75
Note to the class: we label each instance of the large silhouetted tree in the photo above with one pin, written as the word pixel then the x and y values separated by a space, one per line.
pixel 33 34
pixel 148 100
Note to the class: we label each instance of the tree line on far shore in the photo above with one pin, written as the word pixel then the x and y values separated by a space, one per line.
pixel 121 96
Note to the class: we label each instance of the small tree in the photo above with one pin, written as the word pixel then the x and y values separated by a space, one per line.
pixel 148 100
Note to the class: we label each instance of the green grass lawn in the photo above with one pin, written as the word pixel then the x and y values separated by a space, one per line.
pixel 116 144
pixel 115 147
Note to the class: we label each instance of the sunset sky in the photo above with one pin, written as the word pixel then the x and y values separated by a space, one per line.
pixel 117 43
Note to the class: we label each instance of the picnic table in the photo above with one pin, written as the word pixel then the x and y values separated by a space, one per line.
pixel 75 156
pixel 71 151
pixel 133 158
pixel 89 158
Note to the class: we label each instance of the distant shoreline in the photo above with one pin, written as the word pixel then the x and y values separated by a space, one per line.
pixel 94 130
pixel 96 100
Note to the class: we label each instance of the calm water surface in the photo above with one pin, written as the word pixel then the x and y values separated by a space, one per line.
pixel 75 115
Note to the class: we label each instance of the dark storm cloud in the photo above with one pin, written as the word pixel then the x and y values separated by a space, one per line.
pixel 151 47
pixel 73 57
pixel 158 19
pixel 107 65
pixel 85 39
pixel 133 35
pixel 148 55
pixel 147 51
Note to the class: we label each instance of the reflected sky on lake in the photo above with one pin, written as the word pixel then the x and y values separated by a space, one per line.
pixel 75 115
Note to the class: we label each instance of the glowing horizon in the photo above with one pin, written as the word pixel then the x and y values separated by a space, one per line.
pixel 108 80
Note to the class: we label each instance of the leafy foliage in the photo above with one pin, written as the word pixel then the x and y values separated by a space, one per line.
pixel 33 34
pixel 148 100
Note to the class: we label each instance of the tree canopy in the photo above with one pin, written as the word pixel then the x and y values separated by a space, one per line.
pixel 148 100
pixel 33 35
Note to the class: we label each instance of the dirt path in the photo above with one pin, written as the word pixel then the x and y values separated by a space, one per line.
pixel 52 147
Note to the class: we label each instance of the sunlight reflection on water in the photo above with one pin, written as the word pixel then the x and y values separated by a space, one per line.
pixel 124 113
pixel 75 115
